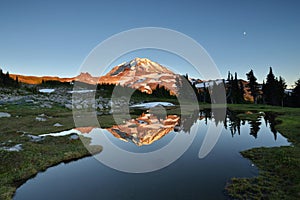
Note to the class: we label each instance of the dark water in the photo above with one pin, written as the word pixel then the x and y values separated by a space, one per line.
pixel 189 177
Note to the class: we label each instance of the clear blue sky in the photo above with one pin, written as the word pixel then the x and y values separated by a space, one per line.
pixel 54 37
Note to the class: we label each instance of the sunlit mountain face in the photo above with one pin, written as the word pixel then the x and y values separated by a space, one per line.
pixel 145 129
pixel 142 74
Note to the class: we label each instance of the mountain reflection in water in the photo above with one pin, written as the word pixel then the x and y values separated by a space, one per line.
pixel 145 129
pixel 150 127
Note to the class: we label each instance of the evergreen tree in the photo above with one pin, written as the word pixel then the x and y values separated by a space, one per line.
pixel 269 89
pixel 186 90
pixel 235 89
pixel 263 89
pixel 229 88
pixel 1 77
pixel 296 94
pixel 273 90
pixel 252 85
pixel 242 92
pixel 207 98
pixel 229 75
pixel 161 92
pixel 281 86
pixel 6 80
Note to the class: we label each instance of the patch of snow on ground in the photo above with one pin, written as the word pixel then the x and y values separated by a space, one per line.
pixel 40 119
pixel 4 114
pixel 80 91
pixel 35 138
pixel 57 125
pixel 46 90
pixel 152 105
pixel 17 147
pixel 63 133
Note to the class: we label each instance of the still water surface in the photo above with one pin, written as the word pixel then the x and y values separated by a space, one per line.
pixel 189 177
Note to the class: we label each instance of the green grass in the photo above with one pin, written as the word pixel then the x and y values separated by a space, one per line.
pixel 279 176
pixel 17 167
pixel 23 118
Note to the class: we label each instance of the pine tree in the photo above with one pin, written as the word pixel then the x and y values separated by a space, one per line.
pixel 296 94
pixel 263 89
pixel 185 88
pixel 207 98
pixel 270 88
pixel 281 86
pixel 235 89
pixel 252 85
pixel 229 75
pixel 242 92
pixel 273 90
pixel 229 88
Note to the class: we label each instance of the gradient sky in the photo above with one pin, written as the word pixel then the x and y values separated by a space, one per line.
pixel 53 38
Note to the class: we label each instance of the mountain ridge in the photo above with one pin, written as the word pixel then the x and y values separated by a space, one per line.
pixel 138 73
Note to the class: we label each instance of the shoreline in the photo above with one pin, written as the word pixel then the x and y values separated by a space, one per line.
pixel 278 166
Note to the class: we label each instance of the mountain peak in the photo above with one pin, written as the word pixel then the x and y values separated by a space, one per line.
pixel 141 73
pixel 141 59
pixel 86 77
pixel 139 66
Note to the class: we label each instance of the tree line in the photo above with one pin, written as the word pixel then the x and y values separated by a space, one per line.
pixel 270 92
pixel 6 80
pixel 106 90
pixel 273 90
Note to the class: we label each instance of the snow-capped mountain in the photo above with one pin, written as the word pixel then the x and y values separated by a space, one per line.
pixel 142 74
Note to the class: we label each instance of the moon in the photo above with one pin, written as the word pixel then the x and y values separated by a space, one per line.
pixel 244 33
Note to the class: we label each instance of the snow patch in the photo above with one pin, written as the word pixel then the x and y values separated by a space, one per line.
pixel 152 105
pixel 63 133
pixel 80 91
pixel 46 90
pixel 4 114
pixel 16 148
pixel 57 125
pixel 40 119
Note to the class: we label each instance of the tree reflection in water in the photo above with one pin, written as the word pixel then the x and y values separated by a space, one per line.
pixel 154 124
